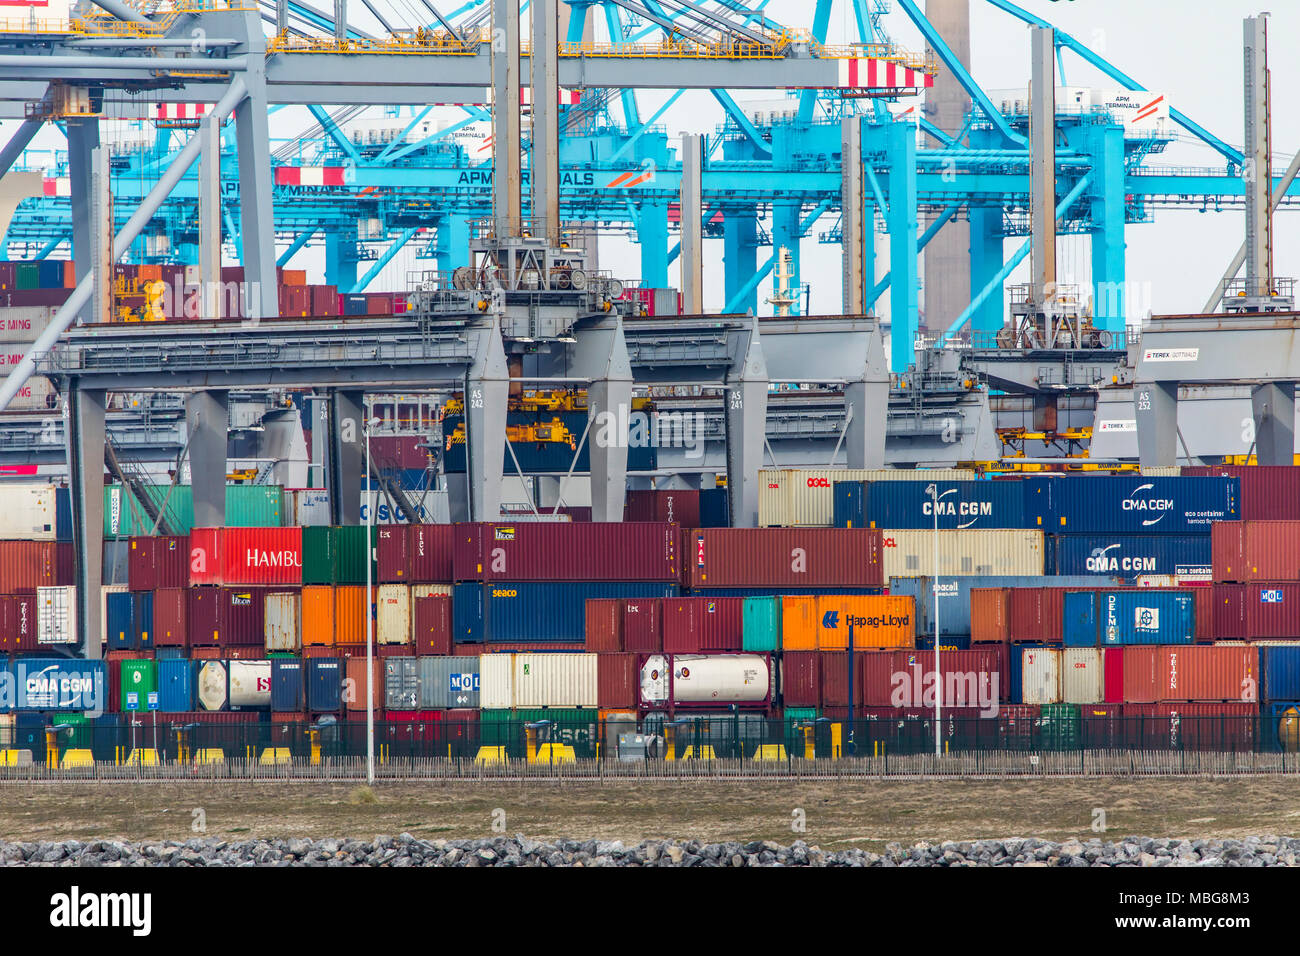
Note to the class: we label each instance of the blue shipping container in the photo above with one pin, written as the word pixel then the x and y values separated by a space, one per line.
pixel 56 683
pixel 1128 556
pixel 324 684
pixel 29 734
pixel 1277 734
pixel 1119 504
pixel 1144 616
pixel 848 504
pixel 120 608
pixel 142 619
pixel 63 514
pixel 176 685
pixel 954 596
pixel 1279 669
pixel 286 685
pixel 961 504
pixel 713 508
pixel 534 611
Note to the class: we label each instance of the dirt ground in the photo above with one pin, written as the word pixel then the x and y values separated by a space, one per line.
pixel 836 814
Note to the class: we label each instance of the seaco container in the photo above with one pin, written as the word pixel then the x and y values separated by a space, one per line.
pixel 270 556
pixel 1256 551
pixel 566 551
pixel 804 497
pixel 959 504
pixel 778 558
pixel 1139 616
pixel 1128 556
pixel 1121 504
pixel 533 611
pixel 910 553
pixel 1268 492
pixel 823 622
pixel 415 554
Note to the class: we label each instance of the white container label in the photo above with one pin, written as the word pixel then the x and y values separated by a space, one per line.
pixel 1171 355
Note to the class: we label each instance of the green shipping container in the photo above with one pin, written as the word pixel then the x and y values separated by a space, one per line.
pixel 337 555
pixel 317 555
pixel 797 715
pixel 1061 726
pixel 505 728
pixel 77 735
pixel 139 678
pixel 27 275
pixel 761 624
pixel 247 506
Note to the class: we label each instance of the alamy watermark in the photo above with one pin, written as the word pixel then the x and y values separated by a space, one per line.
pixel 624 428
pixel 919 688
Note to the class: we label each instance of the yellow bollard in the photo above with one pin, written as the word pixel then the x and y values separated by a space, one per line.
pixel 313 735
pixel 530 743
pixel 670 742
pixel 51 748
pixel 810 742
pixel 837 741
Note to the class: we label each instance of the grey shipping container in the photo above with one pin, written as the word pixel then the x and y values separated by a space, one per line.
pixel 401 683
pixel 448 682
pixel 954 595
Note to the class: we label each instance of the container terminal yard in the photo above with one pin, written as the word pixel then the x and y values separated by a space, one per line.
pixel 365 434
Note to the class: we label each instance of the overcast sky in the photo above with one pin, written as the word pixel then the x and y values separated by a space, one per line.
pixel 1189 50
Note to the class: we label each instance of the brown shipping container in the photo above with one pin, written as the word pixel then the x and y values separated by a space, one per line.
pixel 1192 726
pixel 782 557
pixel 1272 610
pixel 681 626
pixel 354 684
pixel 835 678
pixel 678 506
pixel 1219 672
pixel 18 623
pixel 415 554
pixel 616 680
pixel 643 625
pixel 1036 615
pixel 431 626
pixel 990 615
pixel 243 617
pixel 318 615
pixel 8 639
pixel 801 678
pixel 1228 610
pixel 1255 550
pixel 27 565
pixel 549 551
pixel 1144 674
pixel 169 607
pixel 1268 492
pixel 603 628
pixel 1204 598
pixel 155 562
pixel 203 616
pixel 65 564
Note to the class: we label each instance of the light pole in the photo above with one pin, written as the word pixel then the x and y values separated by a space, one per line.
pixel 933 491
pixel 370 605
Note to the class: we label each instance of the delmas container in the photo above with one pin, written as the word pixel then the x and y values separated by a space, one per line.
pixel 1140 616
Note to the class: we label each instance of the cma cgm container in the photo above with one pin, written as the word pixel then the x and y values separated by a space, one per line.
pixel 778 558
pixel 955 596
pixel 564 551
pixel 1140 505
pixel 1140 616
pixel 1129 556
pixel 58 683
pixel 959 505
pixel 822 622
pixel 416 554
pixel 804 497
pixel 533 611
pixel 1256 551
pixel 1268 492
pixel 699 681
pixel 971 552
pixel 271 556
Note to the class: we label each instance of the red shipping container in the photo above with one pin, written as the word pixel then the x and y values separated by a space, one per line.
pixel 20 624
pixel 678 506
pixel 643 625
pixel 835 678
pixel 348 650
pixel 1229 611
pixel 1191 672
pixel 603 625
pixel 1113 674
pixel 208 653
pixel 1268 492
pixel 203 616
pixel 243 556
pixel 415 554
pixel 1193 726
pixel 1036 614
pixel 431 626
pixel 412 726
pixel 393 650
pixel 617 682
pixel 241 652
pixel 8 637
pixel 721 623
pixel 1255 550
pixel 1204 598
pixel 1102 726
pixel 65 564
pixel 354 684
pixel 978 677
pixel 801 678
pixel 169 612
pixel 155 562
pixel 682 626
pixel 551 551
pixel 243 617
pixel 521 647
pixel 1272 610
pixel 990 615
pixel 783 557
pixel 27 565
pixel 1018 725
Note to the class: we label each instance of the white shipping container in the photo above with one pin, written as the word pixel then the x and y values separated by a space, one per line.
pixel 283 621
pixel 965 552
pixel 1081 675
pixel 24 324
pixel 56 615
pixel 496 681
pixel 804 497
pixel 37 392
pixel 104 592
pixel 555 680
pixel 27 511
pixel 6 731
pixel 427 590
pixel 393 614
pixel 1040 675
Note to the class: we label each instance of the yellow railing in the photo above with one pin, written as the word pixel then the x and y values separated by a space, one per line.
pixel 438 43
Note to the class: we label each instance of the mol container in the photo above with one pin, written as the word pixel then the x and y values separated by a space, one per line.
pixel 1258 611
pixel 781 558
pixel 823 622
pixel 804 497
pixel 1082 675
pixel 1130 556
pixel 450 682
pixel 28 511
pixel 971 552
pixel 959 505
pixel 566 551
pixel 699 681
pixel 535 611
pixel 240 556
pixel 1140 616
pixel 1120 504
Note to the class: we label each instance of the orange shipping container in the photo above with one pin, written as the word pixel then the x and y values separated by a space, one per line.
pixel 990 615
pixel 293 277
pixel 822 622
pixel 318 615
pixel 350 610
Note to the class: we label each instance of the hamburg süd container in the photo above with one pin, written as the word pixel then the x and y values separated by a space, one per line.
pixel 449 682
pixel 972 552
pixel 696 680
pixel 1082 675
pixel 1130 556
pixel 804 497
pixel 282 622
pixel 823 622
pixel 244 556
pixel 56 615
pixel 782 557
pixel 959 505
pixel 1040 675
pixel 1121 504
pixel 535 611
pixel 566 551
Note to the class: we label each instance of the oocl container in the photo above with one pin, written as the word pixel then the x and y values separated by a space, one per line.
pixel 1131 556
pixel 823 622
pixel 566 551
pixel 771 557
pixel 706 680
pixel 242 556
pixel 803 497
pixel 1082 675
pixel 1142 505
pixel 971 552
pixel 555 680
pixel 393 614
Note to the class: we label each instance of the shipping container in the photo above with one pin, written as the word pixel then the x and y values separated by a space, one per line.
pixel 1279 668
pixel 1140 616
pixel 616 680
pixel 719 680
pixel 977 677
pixel 990 615
pixel 972 552
pixel 158 562
pixel 849 504
pixel 449 682
pixel 1082 675
pixel 317 603
pixel 1121 504
pixel 804 497
pixel 1249 551
pixel 823 622
pixel 702 624
pixel 352 613
pixel 534 611
pixel 288 690
pixel 959 505
pixel 679 506
pixel 1130 556
pixel 242 556
pixel 761 624
pixel 1220 672
pixel 243 617
pixel 169 618
pixel 955 601
pixel 565 551
pixel 203 614
pixel 139 685
pixel 1268 492
pixel 28 511
pixel 431 626
pixel 27 565
pixel 401 683
pixel 393 614
pixel 17 623
pixel 355 690
pixel 603 625
pixel 247 506
pixel 337 554
pixel 1040 675
pixel 58 683
pixel 555 680
pixel 497 681
pixel 415 554
pixel 801 678
pixel 176 679
pixel 282 622
pixel 779 558
pixel 324 678
pixel 56 616
pixel 1193 726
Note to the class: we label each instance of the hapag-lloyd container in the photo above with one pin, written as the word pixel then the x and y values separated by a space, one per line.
pixel 1139 505
pixel 1256 551
pixel 823 622
pixel 1130 556
pixel 555 680
pixel 970 552
pixel 977 677
pixel 416 554
pixel 959 504
pixel 1268 492
pixel 782 557
pixel 1082 675
pixel 803 497
pixel 1040 675
pixel 565 551
pixel 271 556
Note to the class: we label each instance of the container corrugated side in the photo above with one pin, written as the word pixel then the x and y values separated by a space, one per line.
pixel 1256 551
pixel 555 680
pixel 954 600
pixel 247 506
pixel 56 615
pixel 566 551
pixel 450 682
pixel 782 557
pixel 1082 675
pixel 282 621
pixel 972 552
pixel 761 624
pixel 240 556
pixel 393 614
pixel 959 505
pixel 803 497
pixel 1142 505
pixel 497 681
pixel 534 611
pixel 1130 556
pixel 27 565
pixel 1040 675
pixel 822 622
pixel 1268 492
pixel 1279 667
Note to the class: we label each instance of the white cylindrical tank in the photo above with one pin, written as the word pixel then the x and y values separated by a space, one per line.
pixel 706 679
pixel 212 685
pixel 250 684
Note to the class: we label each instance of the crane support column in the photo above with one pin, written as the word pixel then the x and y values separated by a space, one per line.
pixel 83 427
pixel 347 455
pixel 740 257
pixel 487 386
pixel 544 74
pixel 652 233
pixel 1107 237
pixel 207 423
pixel 1273 406
pixel 746 430
pixel 903 308
pixel 1155 406
pixel 692 209
pixel 1042 164
pixel 601 355
pixel 852 235
pixel 256 217
pixel 1256 170
pixel 507 175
